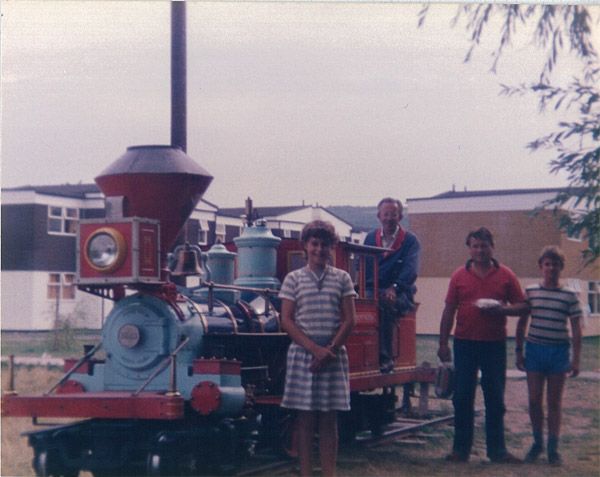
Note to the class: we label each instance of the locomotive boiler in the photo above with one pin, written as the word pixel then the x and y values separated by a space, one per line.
pixel 188 379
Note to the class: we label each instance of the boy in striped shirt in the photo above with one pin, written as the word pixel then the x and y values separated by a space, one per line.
pixel 546 360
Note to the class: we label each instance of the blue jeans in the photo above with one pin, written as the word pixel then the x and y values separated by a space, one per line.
pixel 469 357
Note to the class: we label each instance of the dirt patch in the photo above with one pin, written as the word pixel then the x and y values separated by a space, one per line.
pixel 422 455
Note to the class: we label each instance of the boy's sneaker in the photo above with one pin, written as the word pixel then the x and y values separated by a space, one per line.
pixel 554 459
pixel 533 453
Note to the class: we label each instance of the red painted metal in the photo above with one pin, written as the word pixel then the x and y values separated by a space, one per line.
pixel 376 380
pixel 83 368
pixel 159 182
pixel 141 262
pixel 206 397
pixel 71 387
pixel 117 405
pixel 216 366
pixel 268 400
pixel 86 230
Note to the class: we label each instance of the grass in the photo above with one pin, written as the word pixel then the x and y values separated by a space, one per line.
pixel 62 343
pixel 427 347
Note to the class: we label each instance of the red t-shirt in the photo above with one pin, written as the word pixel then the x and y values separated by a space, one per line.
pixel 465 288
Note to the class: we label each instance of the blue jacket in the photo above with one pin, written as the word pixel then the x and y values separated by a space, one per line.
pixel 399 267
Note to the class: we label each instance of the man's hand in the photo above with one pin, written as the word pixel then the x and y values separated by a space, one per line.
pixel 444 353
pixel 494 311
pixel 574 370
pixel 520 360
pixel 389 295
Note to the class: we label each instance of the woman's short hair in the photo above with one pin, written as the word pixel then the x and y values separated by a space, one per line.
pixel 482 234
pixel 321 230
pixel 552 252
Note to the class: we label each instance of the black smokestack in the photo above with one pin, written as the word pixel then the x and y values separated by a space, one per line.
pixel 178 76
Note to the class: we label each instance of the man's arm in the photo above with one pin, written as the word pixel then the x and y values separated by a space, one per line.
pixel 519 340
pixel 446 324
pixel 409 269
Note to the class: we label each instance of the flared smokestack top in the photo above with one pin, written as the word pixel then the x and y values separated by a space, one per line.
pixel 157 182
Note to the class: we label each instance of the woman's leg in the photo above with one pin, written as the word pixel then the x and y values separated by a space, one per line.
pixel 306 436
pixel 328 442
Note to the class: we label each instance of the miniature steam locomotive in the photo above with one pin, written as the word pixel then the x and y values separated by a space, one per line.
pixel 189 379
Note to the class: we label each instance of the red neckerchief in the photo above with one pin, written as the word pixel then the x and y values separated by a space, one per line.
pixel 395 246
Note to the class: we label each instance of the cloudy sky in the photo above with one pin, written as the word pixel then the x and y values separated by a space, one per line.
pixel 331 103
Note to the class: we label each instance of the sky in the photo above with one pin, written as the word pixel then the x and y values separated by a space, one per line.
pixel 330 103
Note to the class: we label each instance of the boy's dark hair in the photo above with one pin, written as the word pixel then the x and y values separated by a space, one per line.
pixel 552 252
pixel 321 230
pixel 482 234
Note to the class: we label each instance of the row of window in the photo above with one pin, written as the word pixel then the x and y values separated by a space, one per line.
pixel 62 220
pixel 61 286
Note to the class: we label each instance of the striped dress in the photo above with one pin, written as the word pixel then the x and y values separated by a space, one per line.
pixel 317 313
pixel 551 308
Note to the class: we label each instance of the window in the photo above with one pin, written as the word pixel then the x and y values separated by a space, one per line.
pixel 287 233
pixel 62 220
pixel 203 233
pixel 220 233
pixel 362 270
pixel 594 297
pixel 61 286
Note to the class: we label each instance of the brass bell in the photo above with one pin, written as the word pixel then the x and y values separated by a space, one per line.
pixel 187 263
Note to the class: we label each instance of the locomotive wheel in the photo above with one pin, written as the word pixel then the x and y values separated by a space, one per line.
pixel 46 464
pixel 160 465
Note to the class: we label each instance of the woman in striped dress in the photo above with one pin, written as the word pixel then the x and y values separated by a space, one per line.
pixel 317 310
pixel 552 307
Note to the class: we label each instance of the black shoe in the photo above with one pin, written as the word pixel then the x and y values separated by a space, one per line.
pixel 457 457
pixel 533 453
pixel 506 458
pixel 554 459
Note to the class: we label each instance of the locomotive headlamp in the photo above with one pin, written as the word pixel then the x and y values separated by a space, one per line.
pixel 118 251
pixel 105 250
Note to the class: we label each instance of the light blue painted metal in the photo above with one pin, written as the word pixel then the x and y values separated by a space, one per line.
pixel 140 333
pixel 257 258
pixel 221 263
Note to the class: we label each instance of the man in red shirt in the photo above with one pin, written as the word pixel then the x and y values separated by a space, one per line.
pixel 481 295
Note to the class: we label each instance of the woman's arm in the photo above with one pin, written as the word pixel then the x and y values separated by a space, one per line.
pixel 288 308
pixel 347 322
pixel 576 337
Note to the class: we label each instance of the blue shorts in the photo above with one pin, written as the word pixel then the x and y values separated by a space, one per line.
pixel 547 359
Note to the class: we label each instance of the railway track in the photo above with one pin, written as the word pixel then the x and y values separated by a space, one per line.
pixel 402 428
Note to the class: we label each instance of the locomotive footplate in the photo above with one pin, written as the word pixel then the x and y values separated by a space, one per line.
pixel 115 405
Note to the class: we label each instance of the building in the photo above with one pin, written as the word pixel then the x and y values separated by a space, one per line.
pixel 39 233
pixel 442 222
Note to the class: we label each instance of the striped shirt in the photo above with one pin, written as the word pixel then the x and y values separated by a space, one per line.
pixel 551 308
pixel 318 302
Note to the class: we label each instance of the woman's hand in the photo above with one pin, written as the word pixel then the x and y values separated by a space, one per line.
pixel 322 355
